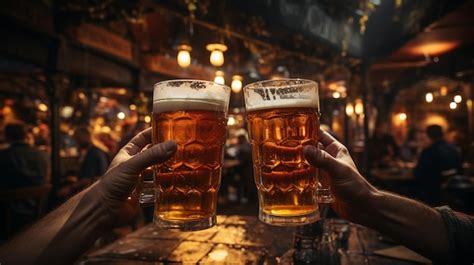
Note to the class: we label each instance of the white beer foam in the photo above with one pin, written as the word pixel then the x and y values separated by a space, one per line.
pixel 260 98
pixel 173 104
pixel 185 94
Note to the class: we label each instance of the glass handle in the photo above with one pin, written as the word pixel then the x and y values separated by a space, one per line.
pixel 146 187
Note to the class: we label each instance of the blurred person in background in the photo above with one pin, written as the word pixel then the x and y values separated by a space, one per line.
pixel 129 131
pixel 22 164
pixel 437 162
pixel 93 160
pixel 248 191
pixel 383 146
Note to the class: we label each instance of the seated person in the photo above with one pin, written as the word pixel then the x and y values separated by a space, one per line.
pixel 94 163
pixel 22 165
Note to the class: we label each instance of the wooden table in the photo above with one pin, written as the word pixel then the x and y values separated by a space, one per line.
pixel 235 240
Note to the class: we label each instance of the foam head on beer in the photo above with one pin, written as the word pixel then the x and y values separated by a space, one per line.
pixel 293 93
pixel 179 95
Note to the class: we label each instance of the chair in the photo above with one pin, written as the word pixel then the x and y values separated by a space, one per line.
pixel 38 193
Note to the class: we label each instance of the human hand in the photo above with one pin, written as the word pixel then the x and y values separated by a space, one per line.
pixel 116 188
pixel 351 191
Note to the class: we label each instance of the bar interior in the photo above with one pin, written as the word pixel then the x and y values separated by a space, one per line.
pixel 291 132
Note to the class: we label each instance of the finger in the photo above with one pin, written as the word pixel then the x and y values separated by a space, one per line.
pixel 327 139
pixel 138 142
pixel 321 159
pixel 153 155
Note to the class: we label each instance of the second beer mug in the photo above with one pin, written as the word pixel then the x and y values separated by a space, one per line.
pixel 194 114
pixel 283 117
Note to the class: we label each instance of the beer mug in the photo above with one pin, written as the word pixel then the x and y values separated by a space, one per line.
pixel 193 113
pixel 283 117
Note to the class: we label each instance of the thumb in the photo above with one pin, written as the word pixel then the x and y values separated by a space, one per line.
pixel 323 160
pixel 155 154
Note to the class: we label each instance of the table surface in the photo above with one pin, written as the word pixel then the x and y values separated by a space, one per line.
pixel 234 240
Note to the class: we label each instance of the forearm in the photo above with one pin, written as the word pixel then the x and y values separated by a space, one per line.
pixel 408 221
pixel 60 237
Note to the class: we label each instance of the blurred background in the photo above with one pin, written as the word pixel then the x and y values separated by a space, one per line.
pixel 76 83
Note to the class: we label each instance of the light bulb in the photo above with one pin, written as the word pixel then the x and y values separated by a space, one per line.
pixel 453 105
pixel 236 84
pixel 121 115
pixel 359 108
pixel 217 58
pixel 336 94
pixel 147 119
pixel 457 98
pixel 184 55
pixel 217 53
pixel 402 116
pixel 349 109
pixel 219 78
pixel 429 97
pixel 43 107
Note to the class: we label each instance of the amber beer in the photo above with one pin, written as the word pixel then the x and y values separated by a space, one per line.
pixel 187 184
pixel 283 117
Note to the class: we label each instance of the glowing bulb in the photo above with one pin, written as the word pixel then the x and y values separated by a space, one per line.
pixel 133 107
pixel 217 53
pixel 217 58
pixel 236 84
pixel 121 115
pixel 349 109
pixel 43 107
pixel 231 121
pixel 443 91
pixel 184 55
pixel 359 108
pixel 402 116
pixel 336 95
pixel 219 78
pixel 147 119
pixel 67 112
pixel 457 98
pixel 453 105
pixel 81 95
pixel 429 97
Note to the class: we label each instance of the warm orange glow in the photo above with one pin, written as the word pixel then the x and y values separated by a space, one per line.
pixel 443 91
pixel 434 48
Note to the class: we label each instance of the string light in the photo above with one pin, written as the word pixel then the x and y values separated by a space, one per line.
pixel 429 97
pixel 453 105
pixel 147 119
pixel 133 107
pixel 43 107
pixel 458 98
pixel 336 94
pixel 121 115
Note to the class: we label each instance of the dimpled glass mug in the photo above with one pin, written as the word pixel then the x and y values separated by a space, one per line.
pixel 193 113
